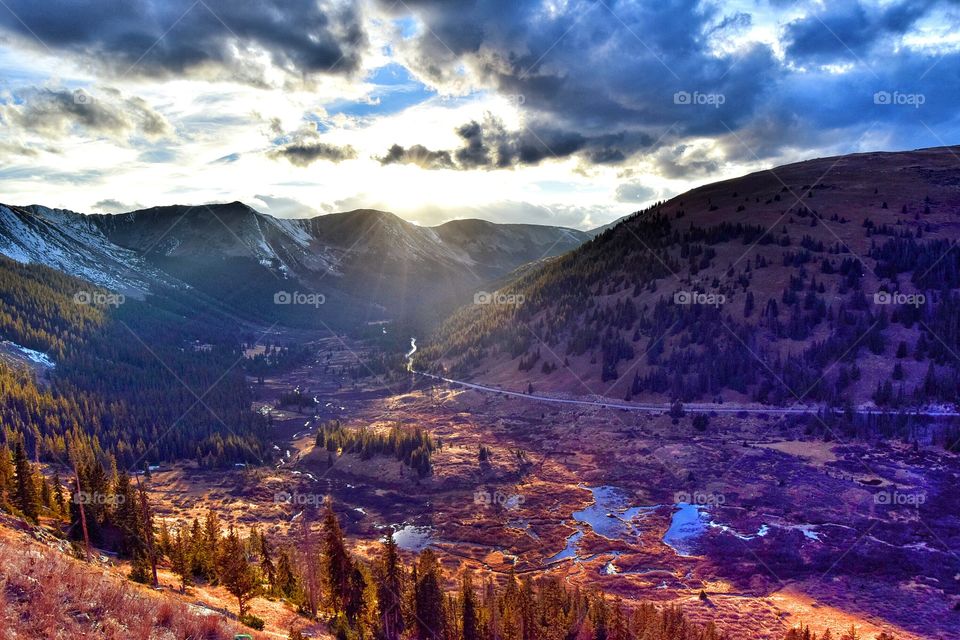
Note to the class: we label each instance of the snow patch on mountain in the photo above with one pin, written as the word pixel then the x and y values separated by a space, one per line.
pixel 37 357
pixel 68 242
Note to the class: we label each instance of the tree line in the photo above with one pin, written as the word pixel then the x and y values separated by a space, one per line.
pixel 412 446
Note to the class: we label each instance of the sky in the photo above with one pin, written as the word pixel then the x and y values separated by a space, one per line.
pixel 570 113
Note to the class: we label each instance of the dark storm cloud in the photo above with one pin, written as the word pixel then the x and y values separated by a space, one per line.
pixel 418 155
pixel 303 147
pixel 683 162
pixel 215 38
pixel 646 77
pixel 53 113
pixel 475 152
pixel 850 29
pixel 490 145
pixel 591 70
pixel 306 152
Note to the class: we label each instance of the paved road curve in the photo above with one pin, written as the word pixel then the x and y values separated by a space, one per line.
pixel 664 407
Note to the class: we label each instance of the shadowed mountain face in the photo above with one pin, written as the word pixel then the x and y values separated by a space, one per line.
pixel 367 265
pixel 831 280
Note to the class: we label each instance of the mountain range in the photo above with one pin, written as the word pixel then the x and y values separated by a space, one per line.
pixel 367 265
pixel 832 280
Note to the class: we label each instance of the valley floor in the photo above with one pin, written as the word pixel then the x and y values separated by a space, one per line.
pixel 774 529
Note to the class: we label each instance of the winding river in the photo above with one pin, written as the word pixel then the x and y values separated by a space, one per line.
pixel 413 350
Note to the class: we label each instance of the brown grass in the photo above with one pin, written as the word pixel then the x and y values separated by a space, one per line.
pixel 44 594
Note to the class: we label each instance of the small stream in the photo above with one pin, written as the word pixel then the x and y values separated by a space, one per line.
pixel 687 525
pixel 690 522
pixel 409 356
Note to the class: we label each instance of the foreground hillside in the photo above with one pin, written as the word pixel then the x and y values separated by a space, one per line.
pixel 46 594
pixel 828 281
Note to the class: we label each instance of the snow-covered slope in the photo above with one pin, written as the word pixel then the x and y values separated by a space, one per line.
pixel 219 231
pixel 72 243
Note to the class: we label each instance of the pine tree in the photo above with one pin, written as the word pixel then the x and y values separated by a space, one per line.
pixel 311 567
pixel 7 478
pixel 337 563
pixel 146 533
pixel 58 498
pixel 46 495
pixel 126 515
pixel 164 542
pixel 286 581
pixel 140 568
pixel 428 598
pixel 235 572
pixel 469 623
pixel 850 634
pixel 209 545
pixel 266 562
pixel 390 591
pixel 180 560
pixel 25 496
pixel 356 604
pixel 197 563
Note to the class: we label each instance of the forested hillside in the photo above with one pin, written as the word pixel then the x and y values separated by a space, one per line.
pixel 129 378
pixel 831 281
pixel 38 309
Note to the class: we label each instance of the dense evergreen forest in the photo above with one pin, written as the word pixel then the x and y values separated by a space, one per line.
pixel 143 380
